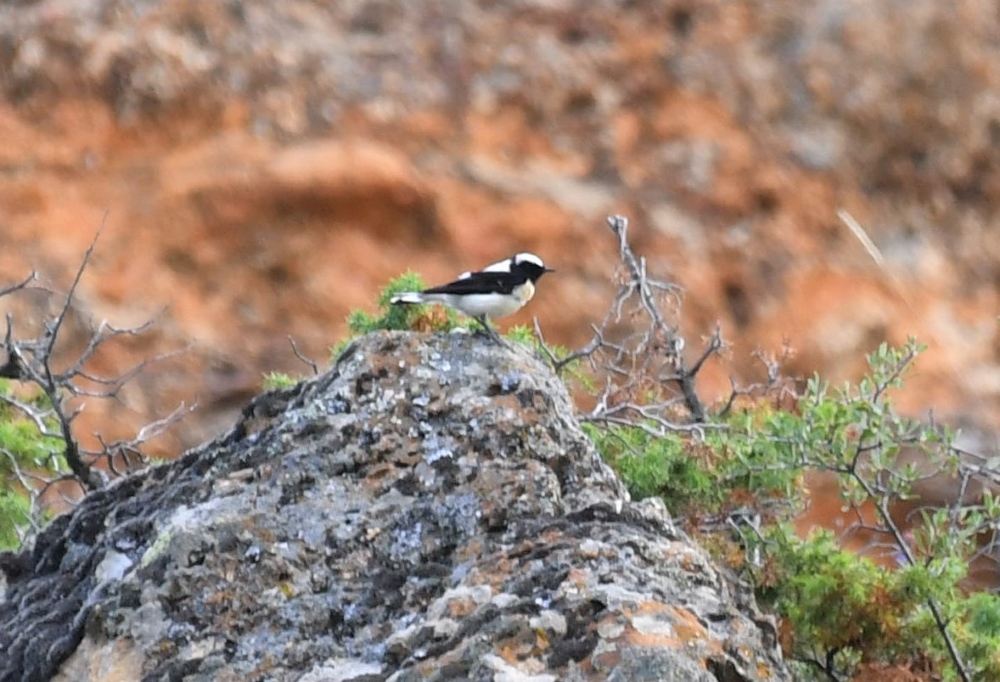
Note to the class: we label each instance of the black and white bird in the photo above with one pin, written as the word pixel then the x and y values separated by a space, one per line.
pixel 495 291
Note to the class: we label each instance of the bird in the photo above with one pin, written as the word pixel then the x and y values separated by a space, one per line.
pixel 495 291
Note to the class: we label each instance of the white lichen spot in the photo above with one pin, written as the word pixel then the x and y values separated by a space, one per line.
pixel 445 628
pixel 112 567
pixel 549 620
pixel 610 629
pixel 652 624
pixel 505 672
pixel 435 450
pixel 505 600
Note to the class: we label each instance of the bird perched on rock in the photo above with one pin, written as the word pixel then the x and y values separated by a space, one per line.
pixel 495 291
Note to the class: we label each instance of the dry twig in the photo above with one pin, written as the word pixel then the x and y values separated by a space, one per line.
pixel 647 381
pixel 302 358
pixel 32 362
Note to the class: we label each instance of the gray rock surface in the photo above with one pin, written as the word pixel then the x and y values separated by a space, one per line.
pixel 429 509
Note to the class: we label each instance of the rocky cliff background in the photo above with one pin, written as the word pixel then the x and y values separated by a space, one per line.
pixel 265 167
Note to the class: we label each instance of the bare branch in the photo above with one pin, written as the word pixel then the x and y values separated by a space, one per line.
pixel 31 361
pixel 13 366
pixel 559 364
pixel 17 286
pixel 301 357
pixel 53 331
pixel 662 335
pixel 31 412
pixel 105 332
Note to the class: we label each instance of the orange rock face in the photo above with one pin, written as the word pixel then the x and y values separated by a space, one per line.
pixel 264 168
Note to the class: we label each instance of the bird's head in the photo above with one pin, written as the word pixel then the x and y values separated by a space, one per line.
pixel 528 264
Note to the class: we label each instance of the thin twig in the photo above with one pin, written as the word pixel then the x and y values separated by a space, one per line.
pixel 31 362
pixel 53 331
pixel 17 286
pixel 301 357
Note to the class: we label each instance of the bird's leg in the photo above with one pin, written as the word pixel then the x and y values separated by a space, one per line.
pixel 490 331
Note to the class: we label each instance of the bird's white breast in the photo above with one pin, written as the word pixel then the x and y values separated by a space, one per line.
pixel 493 305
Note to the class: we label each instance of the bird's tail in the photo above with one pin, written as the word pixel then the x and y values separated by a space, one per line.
pixel 408 297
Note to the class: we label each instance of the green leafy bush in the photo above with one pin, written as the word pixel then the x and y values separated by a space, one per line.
pixel 838 609
pixel 730 467
pixel 661 467
pixel 431 318
pixel 276 380
pixel 24 454
pixel 400 317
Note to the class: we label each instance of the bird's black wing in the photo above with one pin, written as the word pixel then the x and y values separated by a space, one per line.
pixel 480 283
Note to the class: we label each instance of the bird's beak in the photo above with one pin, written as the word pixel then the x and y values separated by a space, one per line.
pixel 549 269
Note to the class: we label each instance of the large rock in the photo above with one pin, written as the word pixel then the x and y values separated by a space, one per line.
pixel 257 162
pixel 429 509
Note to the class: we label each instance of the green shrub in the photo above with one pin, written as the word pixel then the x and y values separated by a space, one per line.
pixel 276 380
pixel 729 468
pixel 400 317
pixel 431 318
pixel 661 467
pixel 25 454
pixel 838 609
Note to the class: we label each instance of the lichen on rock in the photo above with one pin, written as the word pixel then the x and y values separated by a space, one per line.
pixel 428 509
